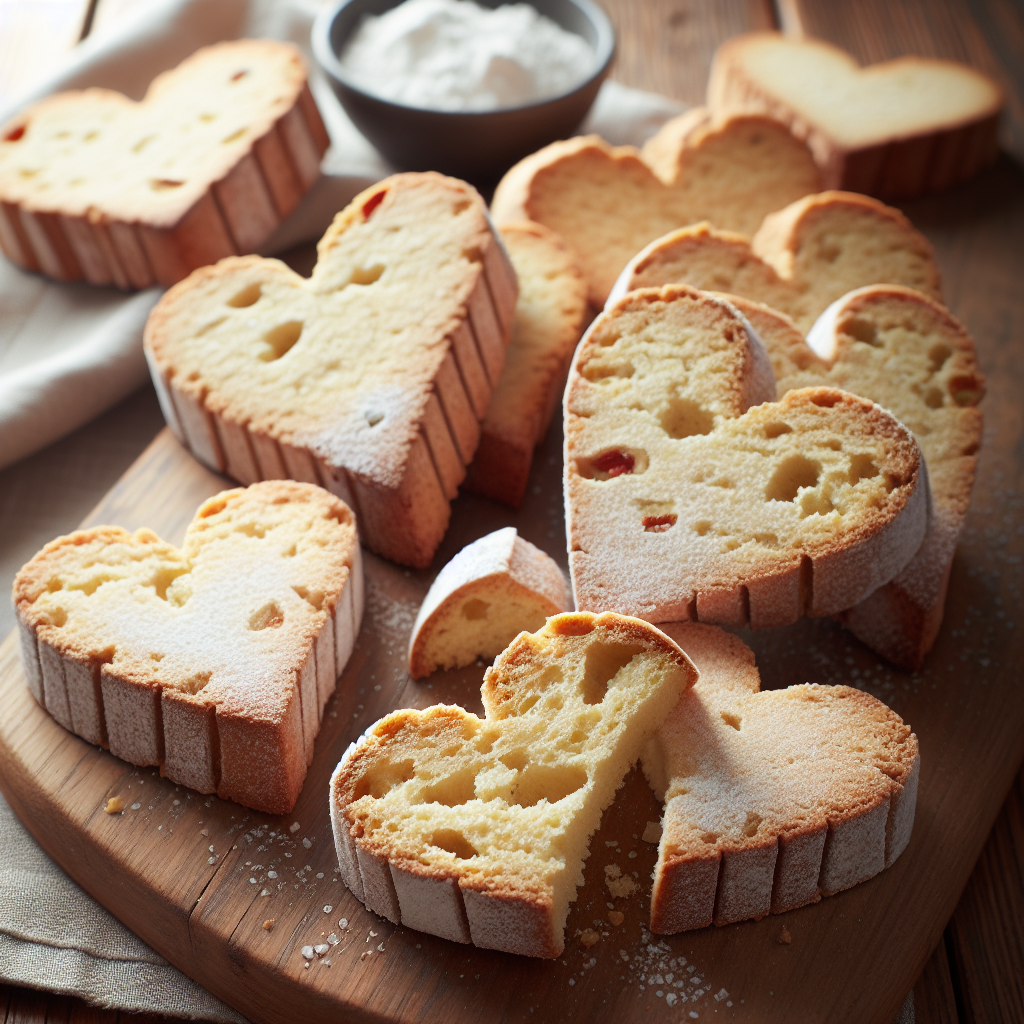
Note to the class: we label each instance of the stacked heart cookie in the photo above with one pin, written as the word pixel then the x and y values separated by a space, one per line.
pixel 691 494
pixel 894 345
pixel 608 203
pixel 370 378
pixel 801 259
pixel 95 186
pixel 476 830
pixel 213 661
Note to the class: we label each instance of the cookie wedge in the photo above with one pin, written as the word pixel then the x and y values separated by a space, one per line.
pixel 774 799
pixel 476 830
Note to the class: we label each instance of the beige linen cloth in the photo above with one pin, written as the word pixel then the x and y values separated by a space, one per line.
pixel 68 352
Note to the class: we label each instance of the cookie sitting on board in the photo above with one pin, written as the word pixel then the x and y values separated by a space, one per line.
pixel 608 202
pixel 691 494
pixel 551 312
pixel 775 799
pixel 801 260
pixel 370 378
pixel 95 186
pixel 213 661
pixel 476 829
pixel 491 590
pixel 898 129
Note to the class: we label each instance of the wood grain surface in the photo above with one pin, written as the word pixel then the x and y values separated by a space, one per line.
pixel 852 957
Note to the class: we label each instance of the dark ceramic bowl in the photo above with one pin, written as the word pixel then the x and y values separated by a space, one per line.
pixel 478 146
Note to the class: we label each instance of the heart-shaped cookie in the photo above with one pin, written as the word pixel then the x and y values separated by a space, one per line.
pixel 370 378
pixel 773 799
pixel 800 261
pixel 222 147
pixel 213 661
pixel 686 498
pixel 476 829
pixel 896 129
pixel 911 356
pixel 608 203
pixel 551 312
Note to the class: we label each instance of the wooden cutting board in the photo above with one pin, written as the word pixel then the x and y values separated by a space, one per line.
pixel 199 878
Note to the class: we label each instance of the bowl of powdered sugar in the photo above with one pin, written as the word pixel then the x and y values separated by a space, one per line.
pixel 462 87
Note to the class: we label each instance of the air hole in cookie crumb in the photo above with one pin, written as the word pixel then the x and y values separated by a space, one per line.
pixel 280 340
pixel 382 778
pixel 373 418
pixel 238 75
pixel 248 296
pixel 269 616
pixel 861 330
pixel 777 429
pixel 732 720
pixel 367 275
pixel 56 616
pixel 702 528
pixel 604 660
pixel 454 790
pixel 861 468
pixel 684 418
pixel 598 371
pixel 164 184
pixel 475 609
pixel 233 136
pixel 514 760
pixel 794 472
pixel 449 840
pixel 196 683
pixel 937 356
pixel 709 837
pixel 314 598
pixel 753 823
pixel 933 398
pixel 551 782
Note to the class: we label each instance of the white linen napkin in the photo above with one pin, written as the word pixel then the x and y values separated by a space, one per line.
pixel 68 352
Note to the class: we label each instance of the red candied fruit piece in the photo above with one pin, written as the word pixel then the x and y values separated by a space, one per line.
pixel 15 133
pixel 659 524
pixel 373 202
pixel 614 463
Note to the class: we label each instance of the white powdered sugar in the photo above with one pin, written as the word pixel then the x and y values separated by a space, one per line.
pixel 455 55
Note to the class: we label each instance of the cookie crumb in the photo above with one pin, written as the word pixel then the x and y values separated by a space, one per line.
pixel 652 833
pixel 784 937
pixel 268 924
pixel 616 917
pixel 590 938
pixel 619 885
pixel 115 805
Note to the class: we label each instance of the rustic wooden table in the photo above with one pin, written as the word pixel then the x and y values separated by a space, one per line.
pixel 975 973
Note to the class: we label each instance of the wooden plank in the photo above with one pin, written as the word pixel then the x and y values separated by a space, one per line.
pixel 667 45
pixel 988 34
pixel 934 998
pixel 985 932
pixel 27 1006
